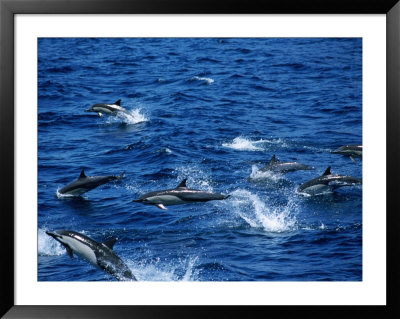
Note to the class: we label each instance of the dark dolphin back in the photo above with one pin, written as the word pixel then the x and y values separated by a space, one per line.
pixel 110 262
pixel 336 180
pixel 200 196
pixel 317 180
pixel 89 183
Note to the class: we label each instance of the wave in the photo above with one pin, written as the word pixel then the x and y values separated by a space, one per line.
pixel 262 88
pixel 296 66
pixel 62 69
pixel 207 59
pixel 254 212
pixel 202 79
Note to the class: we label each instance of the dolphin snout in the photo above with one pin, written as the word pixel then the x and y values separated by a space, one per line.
pixel 140 200
pixel 54 235
pixel 88 110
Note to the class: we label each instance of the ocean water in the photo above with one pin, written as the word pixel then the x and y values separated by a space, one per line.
pixel 214 111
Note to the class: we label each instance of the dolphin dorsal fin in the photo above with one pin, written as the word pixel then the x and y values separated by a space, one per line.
pixel 182 184
pixel 118 103
pixel 327 171
pixel 82 174
pixel 273 159
pixel 110 243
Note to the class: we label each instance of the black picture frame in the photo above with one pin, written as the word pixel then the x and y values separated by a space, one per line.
pixel 8 9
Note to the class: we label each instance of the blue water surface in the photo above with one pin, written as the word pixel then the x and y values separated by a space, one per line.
pixel 214 111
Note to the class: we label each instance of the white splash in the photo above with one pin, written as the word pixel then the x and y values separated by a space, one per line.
pixel 206 80
pixel 61 196
pixel 134 117
pixel 165 150
pixel 257 173
pixel 190 273
pixel 242 144
pixel 48 246
pixel 196 177
pixel 255 212
pixel 160 270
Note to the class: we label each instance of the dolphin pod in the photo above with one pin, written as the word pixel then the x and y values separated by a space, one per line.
pixel 100 255
pixel 179 195
pixel 86 183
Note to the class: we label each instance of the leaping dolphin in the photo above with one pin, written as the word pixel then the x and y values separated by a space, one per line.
pixel 349 150
pixel 86 183
pixel 179 195
pixel 277 166
pixel 328 181
pixel 100 255
pixel 109 109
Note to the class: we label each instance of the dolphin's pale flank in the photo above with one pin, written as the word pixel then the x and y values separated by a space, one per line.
pixel 86 183
pixel 110 109
pixel 179 195
pixel 328 181
pixel 277 166
pixel 100 255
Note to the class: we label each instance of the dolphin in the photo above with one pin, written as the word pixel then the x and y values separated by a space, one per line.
pixel 110 109
pixel 179 195
pixel 86 183
pixel 328 181
pixel 349 150
pixel 100 255
pixel 277 166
